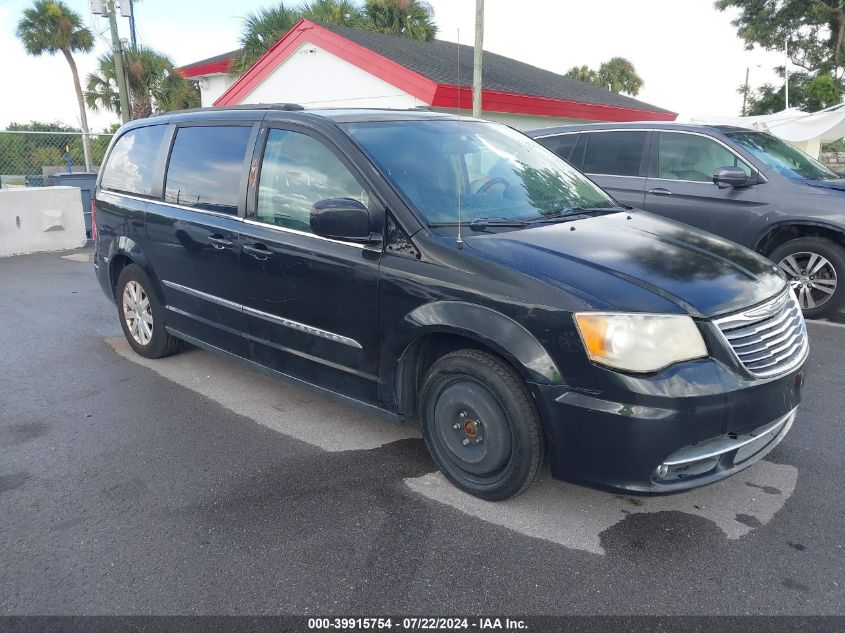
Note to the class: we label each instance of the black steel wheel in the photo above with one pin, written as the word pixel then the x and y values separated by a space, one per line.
pixel 480 425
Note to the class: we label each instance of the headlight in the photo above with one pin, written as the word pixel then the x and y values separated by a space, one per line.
pixel 639 342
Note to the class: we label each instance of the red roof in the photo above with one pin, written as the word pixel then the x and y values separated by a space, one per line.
pixel 424 70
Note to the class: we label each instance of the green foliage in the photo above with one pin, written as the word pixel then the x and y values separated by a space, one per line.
pixel 155 85
pixel 815 30
pixel 806 92
pixel 408 18
pixel 815 33
pixel 262 29
pixel 25 154
pixel 50 26
pixel 617 75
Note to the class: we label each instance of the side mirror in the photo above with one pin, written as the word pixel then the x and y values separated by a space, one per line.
pixel 342 219
pixel 730 177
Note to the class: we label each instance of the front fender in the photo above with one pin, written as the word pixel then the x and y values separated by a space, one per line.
pixel 487 326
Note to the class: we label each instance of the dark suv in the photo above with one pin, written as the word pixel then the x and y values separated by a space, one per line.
pixel 455 272
pixel 745 185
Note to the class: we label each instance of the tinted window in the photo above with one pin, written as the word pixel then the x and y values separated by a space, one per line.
pixel 561 145
pixel 296 172
pixel 785 159
pixel 205 167
pixel 490 169
pixel 614 153
pixel 132 161
pixel 693 157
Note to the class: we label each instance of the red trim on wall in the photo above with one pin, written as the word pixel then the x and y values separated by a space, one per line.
pixel 212 68
pixel 423 88
pixel 498 101
pixel 306 31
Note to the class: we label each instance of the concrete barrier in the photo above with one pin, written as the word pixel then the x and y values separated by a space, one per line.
pixel 37 219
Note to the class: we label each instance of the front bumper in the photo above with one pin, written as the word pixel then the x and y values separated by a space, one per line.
pixel 692 425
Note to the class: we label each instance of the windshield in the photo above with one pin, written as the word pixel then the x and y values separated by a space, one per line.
pixel 781 156
pixel 497 172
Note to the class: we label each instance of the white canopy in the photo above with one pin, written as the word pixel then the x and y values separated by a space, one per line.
pixel 807 131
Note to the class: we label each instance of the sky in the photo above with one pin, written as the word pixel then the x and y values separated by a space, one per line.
pixel 687 53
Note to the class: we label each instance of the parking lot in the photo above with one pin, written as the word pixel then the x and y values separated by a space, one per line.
pixel 196 485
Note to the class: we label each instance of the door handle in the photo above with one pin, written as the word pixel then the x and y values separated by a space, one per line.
pixel 219 242
pixel 660 191
pixel 258 251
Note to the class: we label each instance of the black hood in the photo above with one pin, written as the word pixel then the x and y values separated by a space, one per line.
pixel 638 262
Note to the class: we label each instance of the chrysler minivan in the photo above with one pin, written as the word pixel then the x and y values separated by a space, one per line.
pixel 453 273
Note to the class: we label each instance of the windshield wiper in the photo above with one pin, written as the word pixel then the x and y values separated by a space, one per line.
pixel 569 212
pixel 481 224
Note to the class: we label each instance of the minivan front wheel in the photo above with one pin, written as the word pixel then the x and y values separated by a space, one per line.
pixel 141 315
pixel 815 269
pixel 480 425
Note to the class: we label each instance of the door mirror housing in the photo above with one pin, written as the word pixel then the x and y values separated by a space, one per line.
pixel 342 219
pixel 730 177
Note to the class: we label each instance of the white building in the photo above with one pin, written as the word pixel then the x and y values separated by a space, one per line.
pixel 317 65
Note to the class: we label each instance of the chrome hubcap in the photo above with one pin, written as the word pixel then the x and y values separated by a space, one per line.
pixel 138 313
pixel 812 277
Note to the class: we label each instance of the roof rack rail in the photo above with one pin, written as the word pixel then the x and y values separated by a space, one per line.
pixel 285 106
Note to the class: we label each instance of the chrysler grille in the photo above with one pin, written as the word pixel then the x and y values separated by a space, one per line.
pixel 768 339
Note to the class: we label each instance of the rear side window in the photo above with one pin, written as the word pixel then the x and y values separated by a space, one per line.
pixel 614 153
pixel 132 161
pixel 205 168
pixel 561 145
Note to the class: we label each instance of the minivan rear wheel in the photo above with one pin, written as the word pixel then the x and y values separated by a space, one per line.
pixel 141 315
pixel 815 268
pixel 480 425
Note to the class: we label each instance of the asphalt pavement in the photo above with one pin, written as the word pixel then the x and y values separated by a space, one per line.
pixel 195 485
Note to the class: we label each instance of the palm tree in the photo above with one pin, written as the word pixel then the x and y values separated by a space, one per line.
pixel 155 85
pixel 341 12
pixel 616 75
pixel 410 18
pixel 261 30
pixel 619 75
pixel 50 26
pixel 582 73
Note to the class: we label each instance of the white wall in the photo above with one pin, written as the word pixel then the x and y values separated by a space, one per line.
pixel 212 86
pixel 34 219
pixel 313 77
pixel 519 121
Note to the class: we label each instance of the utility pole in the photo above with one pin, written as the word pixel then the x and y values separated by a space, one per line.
pixel 478 55
pixel 117 50
pixel 745 93
pixel 127 10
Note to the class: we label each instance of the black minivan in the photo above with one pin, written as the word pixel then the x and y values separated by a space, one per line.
pixel 745 185
pixel 453 272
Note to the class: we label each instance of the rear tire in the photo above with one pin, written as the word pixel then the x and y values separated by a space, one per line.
pixel 480 425
pixel 142 316
pixel 814 267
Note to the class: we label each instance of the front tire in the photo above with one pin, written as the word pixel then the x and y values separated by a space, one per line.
pixel 815 268
pixel 480 425
pixel 142 316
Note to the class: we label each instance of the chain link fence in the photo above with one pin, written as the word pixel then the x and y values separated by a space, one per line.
pixel 29 159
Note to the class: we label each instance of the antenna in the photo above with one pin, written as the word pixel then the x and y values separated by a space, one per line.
pixel 458 177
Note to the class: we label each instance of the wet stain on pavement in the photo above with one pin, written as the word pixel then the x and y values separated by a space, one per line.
pixel 10 482
pixel 20 433
pixel 750 521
